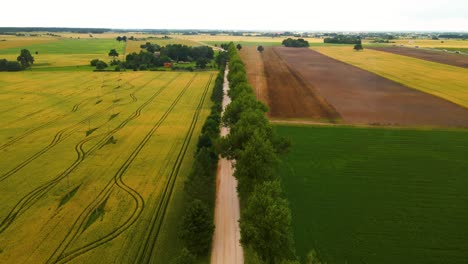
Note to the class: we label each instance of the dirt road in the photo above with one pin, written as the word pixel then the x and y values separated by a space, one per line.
pixel 226 239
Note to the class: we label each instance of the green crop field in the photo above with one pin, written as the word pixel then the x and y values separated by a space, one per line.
pixel 92 164
pixel 64 52
pixel 374 195
pixel 445 81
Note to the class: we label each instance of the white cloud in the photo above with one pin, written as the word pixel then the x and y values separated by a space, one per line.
pixel 242 14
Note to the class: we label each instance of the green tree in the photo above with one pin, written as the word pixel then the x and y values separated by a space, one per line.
pixel 197 228
pixel 244 102
pixel 266 224
pixel 94 62
pixel 113 53
pixel 201 63
pixel 100 65
pixel 239 46
pixel 200 183
pixel 25 58
pixel 358 47
pixel 260 48
pixel 256 163
pixel 185 257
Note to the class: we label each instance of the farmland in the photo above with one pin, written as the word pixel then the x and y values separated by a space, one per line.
pixel 373 195
pixel 429 55
pixel 445 81
pixel 359 96
pixel 64 52
pixel 285 85
pixel 93 164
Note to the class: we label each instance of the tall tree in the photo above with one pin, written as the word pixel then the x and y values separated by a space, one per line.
pixel 358 47
pixel 256 163
pixel 266 224
pixel 25 58
pixel 113 53
pixel 197 228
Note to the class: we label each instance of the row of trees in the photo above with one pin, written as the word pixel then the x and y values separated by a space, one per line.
pixel 200 186
pixel 265 214
pixel 155 56
pixel 296 43
pixel 342 39
pixel 24 61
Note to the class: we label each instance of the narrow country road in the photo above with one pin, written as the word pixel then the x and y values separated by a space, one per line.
pixel 226 239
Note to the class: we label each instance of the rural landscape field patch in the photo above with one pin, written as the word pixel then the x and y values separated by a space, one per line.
pixel 66 52
pixel 445 81
pixel 373 195
pixel 94 163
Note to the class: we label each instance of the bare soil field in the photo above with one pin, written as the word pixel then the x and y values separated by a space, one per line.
pixel 429 55
pixel 287 94
pixel 359 96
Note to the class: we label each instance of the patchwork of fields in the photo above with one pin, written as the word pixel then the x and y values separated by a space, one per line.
pixel 445 81
pixel 93 164
pixel 305 84
pixel 373 195
pixel 429 55
pixel 58 53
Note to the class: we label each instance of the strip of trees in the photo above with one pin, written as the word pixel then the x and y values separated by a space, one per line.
pixel 153 56
pixel 342 39
pixel 24 61
pixel 197 226
pixel 265 221
pixel 295 43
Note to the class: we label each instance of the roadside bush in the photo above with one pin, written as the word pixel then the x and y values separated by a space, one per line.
pixel 185 257
pixel 200 185
pixel 11 66
pixel 100 65
pixel 197 228
pixel 94 62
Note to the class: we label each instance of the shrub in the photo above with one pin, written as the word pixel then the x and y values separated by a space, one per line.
pixel 197 228
pixel 100 65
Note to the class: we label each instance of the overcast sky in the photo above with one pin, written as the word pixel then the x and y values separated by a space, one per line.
pixel 313 15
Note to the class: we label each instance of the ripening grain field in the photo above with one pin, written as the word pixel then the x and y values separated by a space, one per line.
pixel 378 195
pixel 93 164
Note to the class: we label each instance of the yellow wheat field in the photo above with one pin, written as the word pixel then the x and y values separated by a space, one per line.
pixel 90 159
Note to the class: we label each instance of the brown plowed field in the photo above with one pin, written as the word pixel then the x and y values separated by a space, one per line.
pixel 429 55
pixel 283 89
pixel 359 96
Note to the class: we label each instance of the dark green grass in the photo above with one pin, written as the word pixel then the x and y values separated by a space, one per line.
pixel 71 46
pixel 364 195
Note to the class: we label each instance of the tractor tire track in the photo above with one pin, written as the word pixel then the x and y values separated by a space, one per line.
pixel 59 137
pixel 146 251
pixel 75 108
pixel 29 199
pixel 59 256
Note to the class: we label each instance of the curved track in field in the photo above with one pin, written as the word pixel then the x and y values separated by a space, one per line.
pixel 59 137
pixel 146 251
pixel 74 109
pixel 60 256
pixel 29 199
